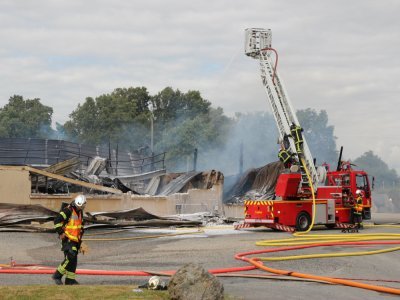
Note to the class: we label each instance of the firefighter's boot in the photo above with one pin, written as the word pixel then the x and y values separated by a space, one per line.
pixel 69 281
pixel 57 277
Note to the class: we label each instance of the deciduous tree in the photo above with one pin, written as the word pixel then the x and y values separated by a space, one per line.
pixel 119 117
pixel 319 135
pixel 376 167
pixel 25 118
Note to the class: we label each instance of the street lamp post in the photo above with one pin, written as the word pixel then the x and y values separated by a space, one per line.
pixel 152 133
pixel 151 108
pixel 152 137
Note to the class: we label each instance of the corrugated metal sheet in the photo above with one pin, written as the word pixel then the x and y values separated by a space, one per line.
pixel 178 183
pixel 256 183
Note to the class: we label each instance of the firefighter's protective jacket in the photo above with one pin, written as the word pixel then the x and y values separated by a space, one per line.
pixel 70 222
pixel 284 156
pixel 296 131
pixel 358 205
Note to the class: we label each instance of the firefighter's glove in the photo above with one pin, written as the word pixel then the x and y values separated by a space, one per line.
pixel 84 248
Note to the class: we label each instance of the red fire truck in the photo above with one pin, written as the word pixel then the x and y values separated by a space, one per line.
pixel 334 191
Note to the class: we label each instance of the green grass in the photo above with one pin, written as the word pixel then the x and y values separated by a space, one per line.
pixel 39 292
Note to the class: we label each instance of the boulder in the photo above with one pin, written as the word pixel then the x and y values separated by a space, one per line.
pixel 192 282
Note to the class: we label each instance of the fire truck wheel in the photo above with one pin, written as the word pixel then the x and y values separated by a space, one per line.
pixel 303 221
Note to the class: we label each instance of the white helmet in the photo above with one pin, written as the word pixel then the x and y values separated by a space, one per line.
pixel 358 192
pixel 154 282
pixel 80 201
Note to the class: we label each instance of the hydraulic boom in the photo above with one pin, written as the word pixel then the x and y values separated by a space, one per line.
pixel 258 46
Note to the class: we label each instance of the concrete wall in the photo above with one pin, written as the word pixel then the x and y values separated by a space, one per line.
pixel 198 200
pixel 234 211
pixel 185 203
pixel 94 203
pixel 15 187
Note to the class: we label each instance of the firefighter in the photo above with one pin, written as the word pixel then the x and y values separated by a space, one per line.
pixel 285 156
pixel 358 209
pixel 69 226
pixel 296 132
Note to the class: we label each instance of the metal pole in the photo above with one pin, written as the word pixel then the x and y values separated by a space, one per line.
pixel 340 159
pixel 152 133
pixel 116 161
pixel 241 159
pixel 195 159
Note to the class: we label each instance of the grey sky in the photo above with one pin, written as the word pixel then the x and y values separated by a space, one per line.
pixel 341 56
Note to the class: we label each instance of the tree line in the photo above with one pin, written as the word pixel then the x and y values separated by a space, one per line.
pixel 178 123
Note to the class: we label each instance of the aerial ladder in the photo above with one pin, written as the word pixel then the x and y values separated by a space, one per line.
pixel 258 46
pixel 326 195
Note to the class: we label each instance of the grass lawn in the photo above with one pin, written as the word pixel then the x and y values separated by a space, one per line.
pixel 39 292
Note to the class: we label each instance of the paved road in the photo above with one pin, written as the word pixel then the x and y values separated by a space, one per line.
pixel 213 249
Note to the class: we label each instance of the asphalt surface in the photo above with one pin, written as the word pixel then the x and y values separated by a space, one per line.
pixel 215 248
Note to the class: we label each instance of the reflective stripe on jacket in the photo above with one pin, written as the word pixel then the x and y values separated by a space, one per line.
pixel 283 155
pixel 73 228
pixel 296 134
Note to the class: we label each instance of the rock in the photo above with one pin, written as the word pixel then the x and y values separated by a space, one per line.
pixel 192 282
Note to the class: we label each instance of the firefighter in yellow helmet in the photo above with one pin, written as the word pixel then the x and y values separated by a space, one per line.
pixel 358 209
pixel 69 226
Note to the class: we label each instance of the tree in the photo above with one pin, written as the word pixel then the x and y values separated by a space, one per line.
pixel 376 167
pixel 184 122
pixel 387 180
pixel 25 118
pixel 319 135
pixel 173 107
pixel 120 117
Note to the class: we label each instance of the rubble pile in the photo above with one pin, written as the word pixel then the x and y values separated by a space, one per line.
pixel 256 183
pixel 68 179
pixel 36 218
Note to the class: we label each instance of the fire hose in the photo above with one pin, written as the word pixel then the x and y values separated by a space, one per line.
pixel 300 241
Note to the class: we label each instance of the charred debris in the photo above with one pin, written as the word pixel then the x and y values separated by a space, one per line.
pixel 36 218
pixel 61 167
pixel 256 184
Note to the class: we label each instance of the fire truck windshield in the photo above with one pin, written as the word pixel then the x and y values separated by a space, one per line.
pixel 362 182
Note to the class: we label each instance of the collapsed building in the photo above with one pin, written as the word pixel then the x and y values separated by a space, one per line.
pixel 50 172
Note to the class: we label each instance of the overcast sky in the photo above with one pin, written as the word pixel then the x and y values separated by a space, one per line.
pixel 341 56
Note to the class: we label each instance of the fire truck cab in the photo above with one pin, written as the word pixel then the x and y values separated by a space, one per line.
pixel 352 180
